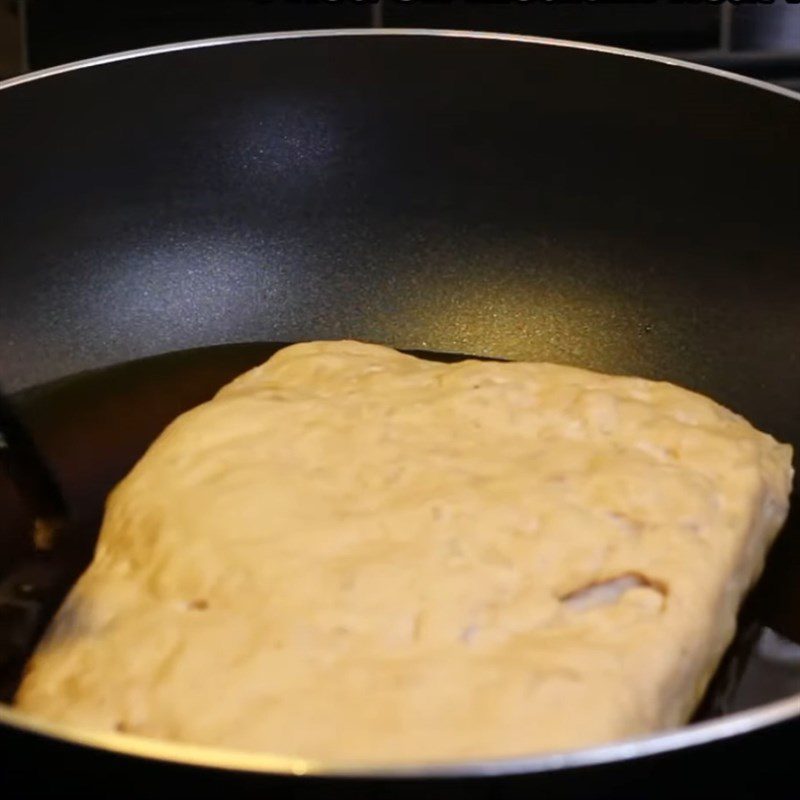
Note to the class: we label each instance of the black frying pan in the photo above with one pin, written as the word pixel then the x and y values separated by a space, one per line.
pixel 488 195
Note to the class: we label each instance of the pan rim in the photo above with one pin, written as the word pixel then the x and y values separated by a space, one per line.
pixel 196 44
pixel 692 735
pixel 739 723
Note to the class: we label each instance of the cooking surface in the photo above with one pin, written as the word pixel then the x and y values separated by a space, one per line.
pixel 495 251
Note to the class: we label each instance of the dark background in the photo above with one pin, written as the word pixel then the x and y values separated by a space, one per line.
pixel 762 40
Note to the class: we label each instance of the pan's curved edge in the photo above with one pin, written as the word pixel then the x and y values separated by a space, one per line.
pixel 700 733
pixel 696 734
pixel 411 32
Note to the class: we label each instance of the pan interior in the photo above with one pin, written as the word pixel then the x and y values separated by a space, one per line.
pixel 451 193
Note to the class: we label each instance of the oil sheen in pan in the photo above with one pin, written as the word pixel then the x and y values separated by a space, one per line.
pixel 92 427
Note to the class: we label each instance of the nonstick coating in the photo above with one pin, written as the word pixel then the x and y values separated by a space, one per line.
pixel 480 195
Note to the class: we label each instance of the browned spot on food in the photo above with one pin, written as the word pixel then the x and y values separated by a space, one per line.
pixel 198 605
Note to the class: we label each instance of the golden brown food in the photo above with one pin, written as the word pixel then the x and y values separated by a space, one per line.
pixel 355 554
